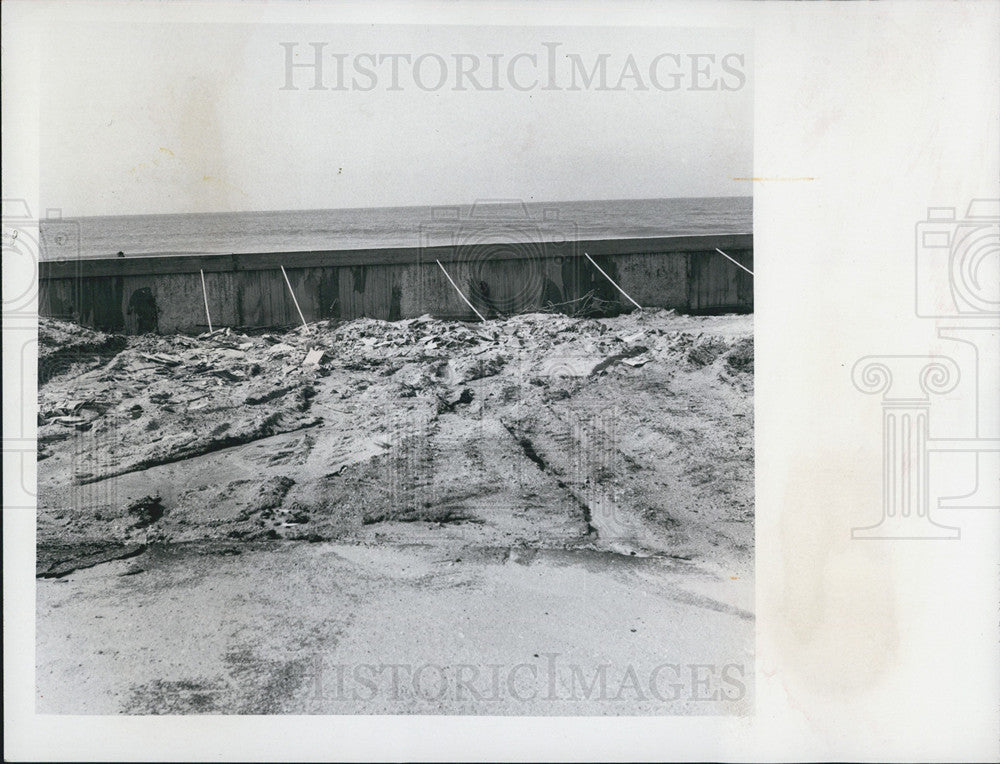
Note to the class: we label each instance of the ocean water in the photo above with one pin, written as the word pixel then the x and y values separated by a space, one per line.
pixel 288 231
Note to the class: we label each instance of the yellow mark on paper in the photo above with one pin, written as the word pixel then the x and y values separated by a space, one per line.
pixel 221 182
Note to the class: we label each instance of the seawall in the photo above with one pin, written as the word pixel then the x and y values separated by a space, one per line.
pixel 164 293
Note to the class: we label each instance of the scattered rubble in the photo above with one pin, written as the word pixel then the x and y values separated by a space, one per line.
pixel 65 347
pixel 50 566
pixel 639 426
pixel 145 511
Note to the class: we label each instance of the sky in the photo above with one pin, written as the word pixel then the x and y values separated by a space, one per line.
pixel 177 118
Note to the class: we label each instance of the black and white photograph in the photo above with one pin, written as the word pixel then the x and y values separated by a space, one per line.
pixel 401 370
pixel 501 381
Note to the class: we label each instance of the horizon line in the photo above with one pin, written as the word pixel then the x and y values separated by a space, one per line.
pixel 496 201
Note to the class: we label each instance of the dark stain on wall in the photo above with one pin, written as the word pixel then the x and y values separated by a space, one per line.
pixel 581 279
pixel 692 280
pixel 99 303
pixel 715 284
pixel 56 299
pixel 551 295
pixel 395 303
pixel 479 296
pixel 240 319
pixel 360 273
pixel 142 306
pixel 329 293
pixel 604 289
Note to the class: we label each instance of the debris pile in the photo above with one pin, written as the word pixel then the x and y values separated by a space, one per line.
pixel 539 429
pixel 64 347
pixel 163 399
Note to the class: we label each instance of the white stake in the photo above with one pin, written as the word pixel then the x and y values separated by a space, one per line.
pixel 733 261
pixel 204 293
pixel 612 281
pixel 460 292
pixel 292 291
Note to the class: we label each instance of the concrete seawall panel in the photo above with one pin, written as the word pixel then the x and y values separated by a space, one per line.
pixel 164 293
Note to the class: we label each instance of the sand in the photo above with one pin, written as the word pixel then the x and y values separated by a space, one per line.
pixel 224 528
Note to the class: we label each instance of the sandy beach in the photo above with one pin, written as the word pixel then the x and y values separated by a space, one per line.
pixel 542 514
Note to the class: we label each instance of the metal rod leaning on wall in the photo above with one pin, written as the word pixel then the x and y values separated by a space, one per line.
pixel 460 292
pixel 612 281
pixel 204 293
pixel 733 261
pixel 292 292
